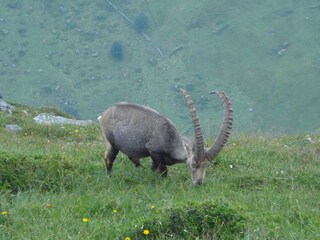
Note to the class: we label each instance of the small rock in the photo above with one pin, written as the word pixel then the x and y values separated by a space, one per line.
pixel 45 118
pixel 5 106
pixel 309 139
pixel 13 128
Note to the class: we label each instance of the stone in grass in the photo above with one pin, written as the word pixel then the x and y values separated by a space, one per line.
pixel 13 128
pixel 6 107
pixel 45 118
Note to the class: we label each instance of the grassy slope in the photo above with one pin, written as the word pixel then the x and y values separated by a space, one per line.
pixel 51 177
pixel 57 53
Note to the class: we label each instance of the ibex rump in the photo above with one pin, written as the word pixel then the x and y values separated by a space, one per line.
pixel 139 131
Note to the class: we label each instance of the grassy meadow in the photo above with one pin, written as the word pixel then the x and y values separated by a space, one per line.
pixel 53 186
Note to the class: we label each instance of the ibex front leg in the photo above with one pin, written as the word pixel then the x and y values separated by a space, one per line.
pixel 158 164
pixel 110 156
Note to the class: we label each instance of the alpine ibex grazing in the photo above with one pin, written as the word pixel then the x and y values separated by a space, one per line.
pixel 139 131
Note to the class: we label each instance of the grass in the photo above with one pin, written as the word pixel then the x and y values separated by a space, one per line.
pixel 53 186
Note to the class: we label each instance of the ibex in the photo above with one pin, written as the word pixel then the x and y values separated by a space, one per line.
pixel 139 131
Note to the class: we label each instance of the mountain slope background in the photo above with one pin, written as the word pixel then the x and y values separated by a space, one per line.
pixel 264 55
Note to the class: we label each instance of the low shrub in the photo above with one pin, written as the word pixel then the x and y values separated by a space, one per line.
pixel 141 22
pixel 116 51
pixel 205 220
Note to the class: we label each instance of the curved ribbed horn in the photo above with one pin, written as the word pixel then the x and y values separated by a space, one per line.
pixel 199 146
pixel 225 128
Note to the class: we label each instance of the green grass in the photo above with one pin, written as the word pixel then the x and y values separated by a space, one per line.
pixel 52 177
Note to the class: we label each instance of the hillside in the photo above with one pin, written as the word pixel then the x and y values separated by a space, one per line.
pixel 264 55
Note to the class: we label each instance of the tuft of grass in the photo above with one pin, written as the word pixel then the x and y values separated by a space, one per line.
pixel 42 172
pixel 205 220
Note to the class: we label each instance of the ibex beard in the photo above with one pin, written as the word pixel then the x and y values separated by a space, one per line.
pixel 139 131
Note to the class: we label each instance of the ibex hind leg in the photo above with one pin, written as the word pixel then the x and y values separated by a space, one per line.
pixel 135 161
pixel 154 166
pixel 110 156
pixel 163 169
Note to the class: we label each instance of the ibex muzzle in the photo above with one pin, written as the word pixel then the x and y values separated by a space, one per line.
pixel 139 132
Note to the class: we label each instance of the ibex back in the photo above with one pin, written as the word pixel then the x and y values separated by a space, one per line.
pixel 139 131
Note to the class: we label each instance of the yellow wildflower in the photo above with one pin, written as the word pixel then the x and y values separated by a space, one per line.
pixel 127 238
pixel 152 206
pixel 47 205
pixel 85 220
pixel 146 232
pixel 4 212
pixel 114 211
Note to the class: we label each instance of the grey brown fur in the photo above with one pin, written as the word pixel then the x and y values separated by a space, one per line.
pixel 139 132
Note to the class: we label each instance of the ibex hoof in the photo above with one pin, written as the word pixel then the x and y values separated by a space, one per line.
pixel 135 161
pixel 164 174
pixel 163 170
pixel 108 169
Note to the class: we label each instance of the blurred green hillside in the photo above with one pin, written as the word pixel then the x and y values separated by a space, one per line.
pixel 263 54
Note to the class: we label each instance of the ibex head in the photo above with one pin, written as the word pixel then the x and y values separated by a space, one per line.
pixel 200 158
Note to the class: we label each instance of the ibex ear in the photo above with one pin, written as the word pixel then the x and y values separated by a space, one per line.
pixel 190 151
pixel 187 146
